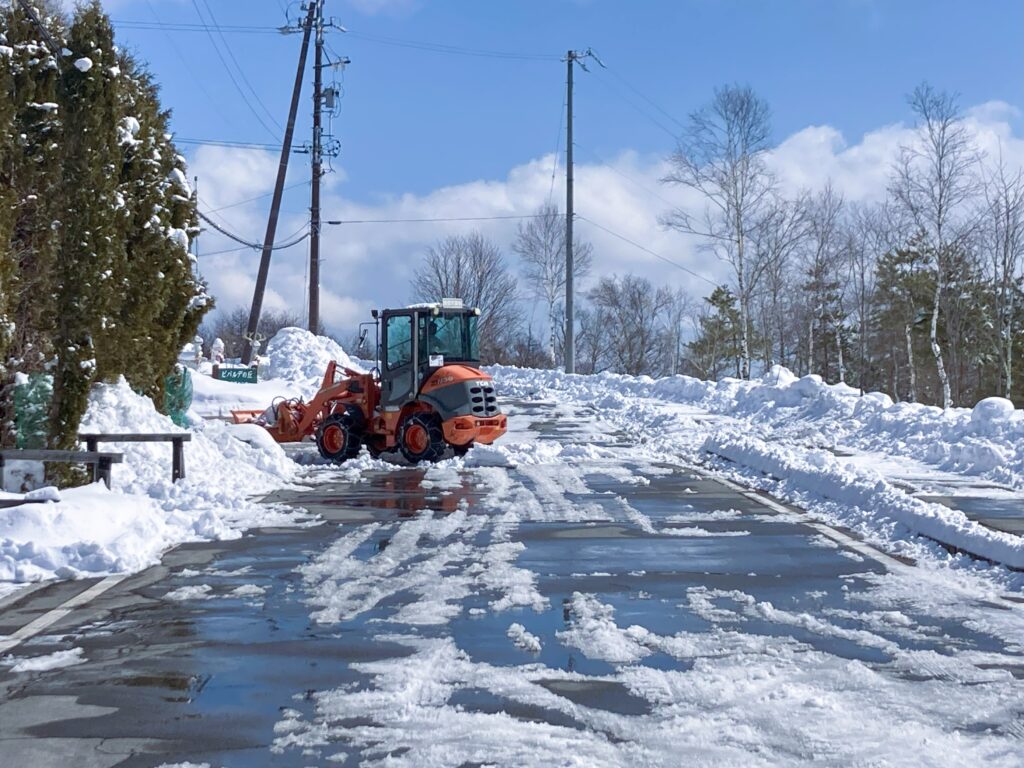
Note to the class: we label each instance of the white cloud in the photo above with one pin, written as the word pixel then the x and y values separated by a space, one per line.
pixel 367 265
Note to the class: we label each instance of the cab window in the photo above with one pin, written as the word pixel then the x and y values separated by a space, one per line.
pixel 399 340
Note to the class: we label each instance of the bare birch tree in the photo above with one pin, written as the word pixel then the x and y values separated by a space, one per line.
pixel 780 232
pixel 934 181
pixel 824 266
pixel 1003 237
pixel 721 155
pixel 472 268
pixel 540 244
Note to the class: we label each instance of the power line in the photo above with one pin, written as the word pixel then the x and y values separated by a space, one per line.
pixel 227 250
pixel 231 74
pixel 558 146
pixel 646 98
pixel 442 219
pixel 635 244
pixel 421 45
pixel 204 27
pixel 305 183
pixel 248 244
pixel 56 51
pixel 640 110
pixel 631 179
pixel 236 144
pixel 241 71
pixel 188 66
pixel 452 49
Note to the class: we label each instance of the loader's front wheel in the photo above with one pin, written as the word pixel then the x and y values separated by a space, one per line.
pixel 422 438
pixel 337 437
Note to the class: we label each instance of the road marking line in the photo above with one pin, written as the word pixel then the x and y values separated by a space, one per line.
pixel 51 617
pixel 823 528
pixel 826 530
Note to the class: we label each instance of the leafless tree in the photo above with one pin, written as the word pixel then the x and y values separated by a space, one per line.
pixel 540 244
pixel 934 181
pixel 230 328
pixel 871 231
pixel 472 268
pixel 824 255
pixel 678 316
pixel 1003 238
pixel 633 311
pixel 592 337
pixel 721 155
pixel 780 232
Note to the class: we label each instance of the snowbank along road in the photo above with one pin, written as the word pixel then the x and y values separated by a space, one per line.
pixel 567 598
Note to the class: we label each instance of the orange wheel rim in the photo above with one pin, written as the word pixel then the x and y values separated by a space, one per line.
pixel 416 438
pixel 334 438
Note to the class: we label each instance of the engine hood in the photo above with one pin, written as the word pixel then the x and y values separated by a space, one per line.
pixel 453 374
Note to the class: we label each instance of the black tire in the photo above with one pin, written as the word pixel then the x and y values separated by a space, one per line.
pixel 421 438
pixel 339 436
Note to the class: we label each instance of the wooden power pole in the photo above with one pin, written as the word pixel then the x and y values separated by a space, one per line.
pixel 275 204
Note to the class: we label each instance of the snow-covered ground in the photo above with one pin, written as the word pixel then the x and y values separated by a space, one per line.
pixel 820 445
pixel 725 636
pixel 779 433
pixel 598 588
pixel 90 531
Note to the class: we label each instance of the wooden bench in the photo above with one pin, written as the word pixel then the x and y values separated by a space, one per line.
pixel 177 439
pixel 99 461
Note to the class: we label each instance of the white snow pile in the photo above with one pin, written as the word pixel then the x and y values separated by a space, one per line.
pixel 826 477
pixel 786 427
pixel 95 531
pixel 299 356
pixel 298 361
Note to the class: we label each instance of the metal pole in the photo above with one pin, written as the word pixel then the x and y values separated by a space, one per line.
pixel 314 208
pixel 570 340
pixel 275 205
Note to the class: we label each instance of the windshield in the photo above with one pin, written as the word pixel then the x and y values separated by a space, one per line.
pixel 452 336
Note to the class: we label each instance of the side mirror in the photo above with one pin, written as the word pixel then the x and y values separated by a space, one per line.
pixel 362 339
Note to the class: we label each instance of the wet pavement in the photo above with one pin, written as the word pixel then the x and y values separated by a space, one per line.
pixel 203 658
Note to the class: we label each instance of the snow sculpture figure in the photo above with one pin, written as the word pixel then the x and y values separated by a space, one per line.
pixel 217 350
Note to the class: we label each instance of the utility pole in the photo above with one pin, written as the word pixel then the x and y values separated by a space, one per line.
pixel 571 58
pixel 570 337
pixel 317 153
pixel 275 205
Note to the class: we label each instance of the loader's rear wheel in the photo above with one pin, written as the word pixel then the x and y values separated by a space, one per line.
pixel 338 437
pixel 422 438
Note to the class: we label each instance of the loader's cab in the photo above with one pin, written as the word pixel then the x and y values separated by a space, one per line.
pixel 418 340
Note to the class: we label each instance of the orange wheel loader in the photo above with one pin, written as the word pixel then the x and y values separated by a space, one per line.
pixel 425 395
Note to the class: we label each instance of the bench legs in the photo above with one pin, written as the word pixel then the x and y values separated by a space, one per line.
pixel 101 471
pixel 178 461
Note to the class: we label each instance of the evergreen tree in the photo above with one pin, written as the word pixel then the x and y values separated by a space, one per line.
pixel 905 283
pixel 717 346
pixel 91 248
pixel 30 174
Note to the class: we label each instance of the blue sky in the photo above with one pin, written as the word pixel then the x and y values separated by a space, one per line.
pixel 416 124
